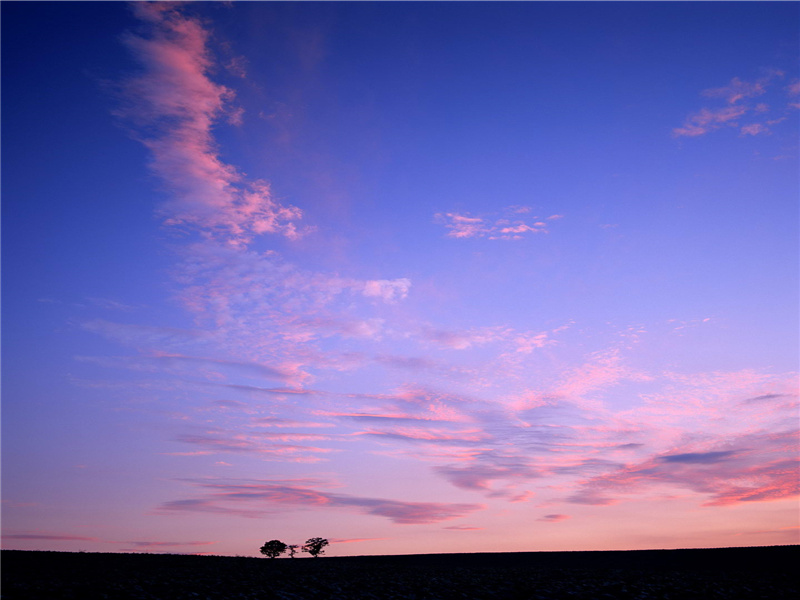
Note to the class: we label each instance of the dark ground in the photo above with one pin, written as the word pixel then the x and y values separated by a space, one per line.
pixel 746 573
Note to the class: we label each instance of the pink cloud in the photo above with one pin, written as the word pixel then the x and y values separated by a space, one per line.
pixel 410 513
pixel 173 104
pixel 260 308
pixel 707 120
pixel 521 497
pixel 735 96
pixel 409 403
pixel 528 342
pixel 462 226
pixel 506 227
pixel 751 468
pixel 388 290
pixel 248 499
pixel 604 370
pixel 269 446
pixel 478 471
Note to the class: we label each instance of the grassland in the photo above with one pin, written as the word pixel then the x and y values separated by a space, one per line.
pixel 729 573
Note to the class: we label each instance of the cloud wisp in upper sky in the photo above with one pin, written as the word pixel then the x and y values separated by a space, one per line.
pixel 740 106
pixel 174 106
pixel 513 224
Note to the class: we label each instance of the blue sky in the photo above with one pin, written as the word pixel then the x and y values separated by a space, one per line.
pixel 477 276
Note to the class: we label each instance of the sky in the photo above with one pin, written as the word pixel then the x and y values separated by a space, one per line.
pixel 412 277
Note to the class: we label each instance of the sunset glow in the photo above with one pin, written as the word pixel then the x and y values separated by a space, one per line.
pixel 413 277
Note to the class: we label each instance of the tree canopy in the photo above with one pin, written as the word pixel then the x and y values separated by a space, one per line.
pixel 273 548
pixel 314 546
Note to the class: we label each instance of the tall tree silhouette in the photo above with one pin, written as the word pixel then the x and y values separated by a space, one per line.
pixel 314 546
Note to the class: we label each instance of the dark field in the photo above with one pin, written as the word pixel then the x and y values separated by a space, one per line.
pixel 747 573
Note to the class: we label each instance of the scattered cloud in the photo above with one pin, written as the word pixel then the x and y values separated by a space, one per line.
pixel 737 97
pixel 762 467
pixel 707 120
pixel 738 90
pixel 387 290
pixel 507 225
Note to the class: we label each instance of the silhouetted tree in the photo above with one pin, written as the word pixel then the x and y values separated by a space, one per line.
pixel 292 550
pixel 273 548
pixel 314 546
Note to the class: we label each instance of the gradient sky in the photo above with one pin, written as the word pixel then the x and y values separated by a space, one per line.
pixel 414 277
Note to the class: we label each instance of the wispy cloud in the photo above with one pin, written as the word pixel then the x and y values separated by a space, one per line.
pixel 738 90
pixel 762 467
pixel 707 120
pixel 275 447
pixel 248 498
pixel 388 290
pixel 480 470
pixel 736 96
pixel 173 105
pixel 508 225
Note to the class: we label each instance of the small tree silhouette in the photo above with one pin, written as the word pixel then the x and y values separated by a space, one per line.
pixel 314 546
pixel 292 549
pixel 273 548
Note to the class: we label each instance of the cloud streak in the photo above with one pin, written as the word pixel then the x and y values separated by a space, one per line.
pixel 254 498
pixel 174 105
pixel 763 467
